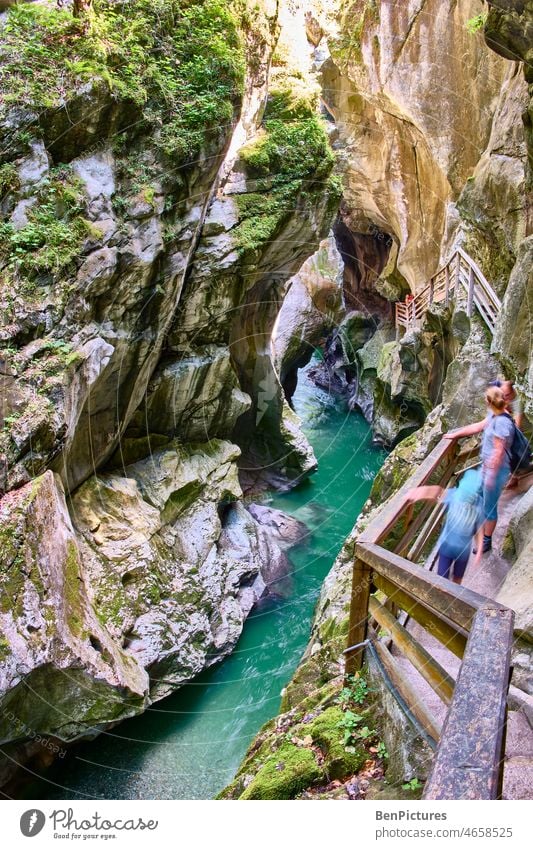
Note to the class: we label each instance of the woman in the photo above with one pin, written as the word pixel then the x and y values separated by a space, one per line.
pixel 498 433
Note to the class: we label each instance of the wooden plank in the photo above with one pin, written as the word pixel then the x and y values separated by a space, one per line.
pixel 470 298
pixel 424 663
pixel 441 595
pixel 467 763
pixel 422 714
pixel 415 525
pixel 432 523
pixel 361 580
pixel 483 280
pixel 449 634
pixel 390 513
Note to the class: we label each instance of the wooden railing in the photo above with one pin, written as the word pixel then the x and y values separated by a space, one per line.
pixel 468 763
pixel 460 272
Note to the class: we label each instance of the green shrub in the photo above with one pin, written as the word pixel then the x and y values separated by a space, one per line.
pixel 476 23
pixel 181 61
pixel 55 229
pixel 290 159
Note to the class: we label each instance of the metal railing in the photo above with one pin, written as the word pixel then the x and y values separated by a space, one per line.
pixel 469 746
pixel 459 272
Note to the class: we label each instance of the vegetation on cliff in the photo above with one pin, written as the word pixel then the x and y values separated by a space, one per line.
pixel 290 161
pixel 180 62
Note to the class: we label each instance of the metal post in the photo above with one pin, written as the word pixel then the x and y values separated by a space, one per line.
pixel 361 580
pixel 470 302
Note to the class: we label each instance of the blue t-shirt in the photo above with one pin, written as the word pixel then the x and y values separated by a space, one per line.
pixel 503 427
pixel 463 519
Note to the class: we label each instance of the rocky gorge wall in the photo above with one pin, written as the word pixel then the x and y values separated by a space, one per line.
pixel 152 213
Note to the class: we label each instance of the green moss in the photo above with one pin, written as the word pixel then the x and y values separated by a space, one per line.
pixel 476 23
pixel 290 770
pixel 290 159
pixel 291 99
pixel 331 628
pixel 5 649
pixel 290 150
pixel 12 563
pixel 326 731
pixel 180 61
pixel 9 180
pixel 348 46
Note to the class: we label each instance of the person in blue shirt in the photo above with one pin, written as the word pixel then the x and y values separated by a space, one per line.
pixel 498 435
pixel 464 520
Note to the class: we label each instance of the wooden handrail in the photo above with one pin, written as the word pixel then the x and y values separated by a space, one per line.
pixel 439 594
pixel 468 763
pixel 446 449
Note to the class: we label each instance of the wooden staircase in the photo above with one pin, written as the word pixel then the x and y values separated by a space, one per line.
pixel 459 274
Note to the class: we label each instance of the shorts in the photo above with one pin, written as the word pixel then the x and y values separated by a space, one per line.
pixel 492 494
pixel 459 567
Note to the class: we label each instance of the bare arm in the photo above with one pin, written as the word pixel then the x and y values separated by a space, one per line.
pixel 479 546
pixel 495 461
pixel 469 430
pixel 424 493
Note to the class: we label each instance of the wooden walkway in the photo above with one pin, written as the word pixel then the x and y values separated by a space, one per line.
pixel 445 648
pixel 486 580
pixel 459 274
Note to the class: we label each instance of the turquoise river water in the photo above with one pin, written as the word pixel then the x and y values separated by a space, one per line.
pixel 190 745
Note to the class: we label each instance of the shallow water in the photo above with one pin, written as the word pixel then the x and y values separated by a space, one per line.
pixel 190 745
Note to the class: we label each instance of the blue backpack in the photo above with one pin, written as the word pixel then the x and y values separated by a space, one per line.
pixel 520 451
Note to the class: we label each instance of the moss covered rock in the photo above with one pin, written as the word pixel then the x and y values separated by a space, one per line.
pixel 287 772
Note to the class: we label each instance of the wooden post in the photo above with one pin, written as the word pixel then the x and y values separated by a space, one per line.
pixel 457 274
pixel 467 763
pixel 361 580
pixel 447 288
pixel 470 302
pixel 431 290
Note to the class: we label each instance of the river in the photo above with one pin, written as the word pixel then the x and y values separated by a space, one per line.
pixel 190 745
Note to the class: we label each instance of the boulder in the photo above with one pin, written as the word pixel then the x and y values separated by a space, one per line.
pixel 195 397
pixel 62 673
pixel 312 306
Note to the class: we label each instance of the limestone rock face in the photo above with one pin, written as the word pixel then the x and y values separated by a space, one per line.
pixel 195 397
pixel 512 340
pixel 312 306
pixel 136 330
pixel 411 91
pixel 148 584
pixel 492 205
pixel 62 674
pixel 159 547
pixel 102 304
pixel 509 32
